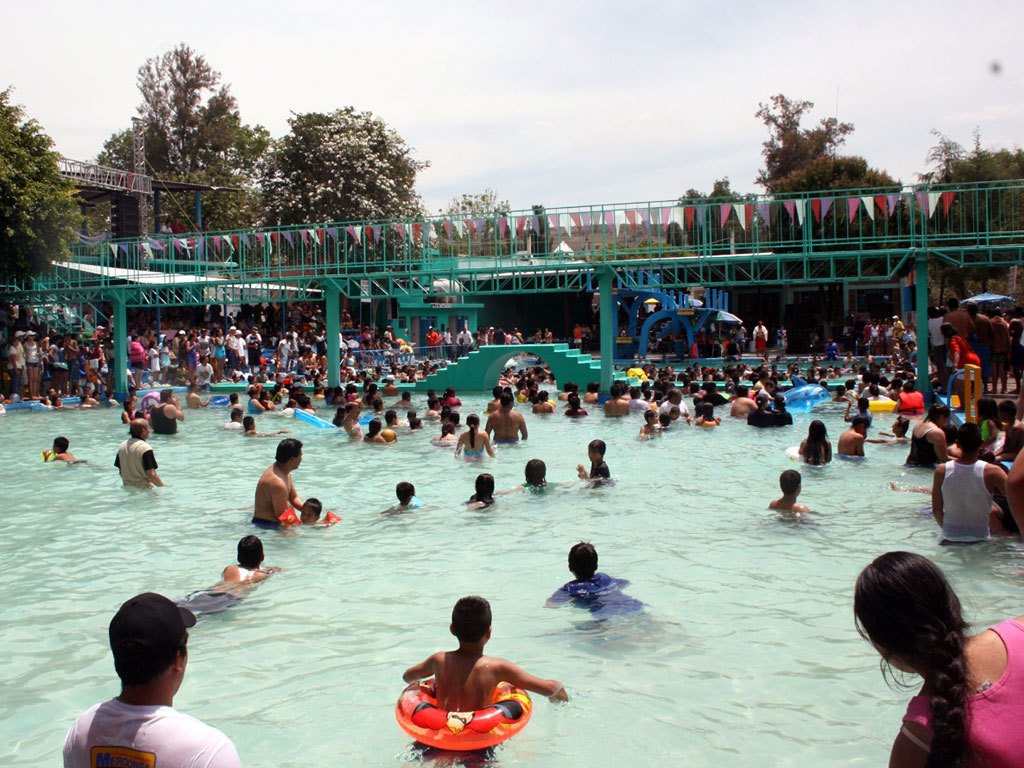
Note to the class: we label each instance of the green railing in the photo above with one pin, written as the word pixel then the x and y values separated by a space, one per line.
pixel 971 223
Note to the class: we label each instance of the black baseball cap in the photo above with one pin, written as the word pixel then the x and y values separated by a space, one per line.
pixel 149 625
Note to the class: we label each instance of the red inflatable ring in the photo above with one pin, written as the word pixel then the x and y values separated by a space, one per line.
pixel 418 714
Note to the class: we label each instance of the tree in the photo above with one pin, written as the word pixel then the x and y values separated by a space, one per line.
pixel 342 166
pixel 37 210
pixel 844 172
pixel 790 149
pixel 481 203
pixel 195 133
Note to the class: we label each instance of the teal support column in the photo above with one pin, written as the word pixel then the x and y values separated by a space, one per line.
pixel 607 330
pixel 921 310
pixel 119 327
pixel 332 312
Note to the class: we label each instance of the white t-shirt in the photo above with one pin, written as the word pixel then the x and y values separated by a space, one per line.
pixel 935 336
pixel 114 733
pixel 154 359
pixel 666 407
pixel 204 373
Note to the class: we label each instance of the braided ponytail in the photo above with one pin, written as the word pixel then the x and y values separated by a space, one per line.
pixel 949 692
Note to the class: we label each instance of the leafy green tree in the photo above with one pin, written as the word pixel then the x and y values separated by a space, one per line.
pixel 37 210
pixel 194 133
pixel 790 149
pixel 341 166
pixel 844 172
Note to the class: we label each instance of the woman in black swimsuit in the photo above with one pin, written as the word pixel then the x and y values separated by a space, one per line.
pixel 928 441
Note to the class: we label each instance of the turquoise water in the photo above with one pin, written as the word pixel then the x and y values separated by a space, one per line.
pixel 747 654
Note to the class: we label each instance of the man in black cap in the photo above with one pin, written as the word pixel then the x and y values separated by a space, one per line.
pixel 149 639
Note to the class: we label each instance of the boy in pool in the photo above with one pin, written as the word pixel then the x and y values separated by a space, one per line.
pixel 59 452
pixel 406 493
pixel 598 592
pixel 465 679
pixel 249 429
pixel 598 469
pixel 310 514
pixel 789 483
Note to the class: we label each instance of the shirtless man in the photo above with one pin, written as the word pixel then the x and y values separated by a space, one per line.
pixel 743 405
pixel 851 442
pixel 618 403
pixel 193 399
pixel 505 425
pixel 274 491
pixel 495 402
pixel 789 483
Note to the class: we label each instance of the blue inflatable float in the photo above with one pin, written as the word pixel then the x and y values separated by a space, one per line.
pixel 314 420
pixel 803 397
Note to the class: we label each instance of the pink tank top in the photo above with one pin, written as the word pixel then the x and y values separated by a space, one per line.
pixel 996 715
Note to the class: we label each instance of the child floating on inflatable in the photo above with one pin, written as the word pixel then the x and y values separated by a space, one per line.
pixel 465 679
pixel 598 592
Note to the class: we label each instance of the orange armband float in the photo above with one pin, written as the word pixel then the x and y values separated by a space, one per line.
pixel 330 519
pixel 420 717
pixel 289 517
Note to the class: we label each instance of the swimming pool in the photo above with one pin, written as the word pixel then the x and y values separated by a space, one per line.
pixel 747 654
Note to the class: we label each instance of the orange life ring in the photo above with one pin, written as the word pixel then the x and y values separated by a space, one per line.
pixel 419 716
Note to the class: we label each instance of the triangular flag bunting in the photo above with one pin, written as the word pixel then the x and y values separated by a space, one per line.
pixel 826 205
pixel 922 201
pixel 816 209
pixel 869 206
pixel 852 204
pixel 688 214
pixel 801 211
pixel 305 236
pixel 790 206
pixel 666 216
pixel 947 200
pixel 631 218
pixel 288 237
pixel 701 214
pixel 892 201
pixel 448 229
pixel 577 221
pixel 933 202
pixel 764 212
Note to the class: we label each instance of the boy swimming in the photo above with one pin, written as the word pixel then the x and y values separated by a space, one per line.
pixel 59 452
pixel 598 592
pixel 236 580
pixel 789 484
pixel 598 469
pixel 465 679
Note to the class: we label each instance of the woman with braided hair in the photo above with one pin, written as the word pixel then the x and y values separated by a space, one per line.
pixel 970 710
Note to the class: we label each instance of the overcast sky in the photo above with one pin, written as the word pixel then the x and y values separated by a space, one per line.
pixel 561 103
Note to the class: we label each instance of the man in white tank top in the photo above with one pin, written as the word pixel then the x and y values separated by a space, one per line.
pixel 962 491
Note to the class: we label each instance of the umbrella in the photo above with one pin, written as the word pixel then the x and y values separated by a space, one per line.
pixel 990 298
pixel 726 317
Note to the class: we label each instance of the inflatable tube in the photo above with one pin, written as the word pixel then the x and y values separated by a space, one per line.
pixel 366 418
pixel 418 715
pixel 804 399
pixel 637 373
pixel 219 401
pixel 882 406
pixel 793 454
pixel 148 401
pixel 313 420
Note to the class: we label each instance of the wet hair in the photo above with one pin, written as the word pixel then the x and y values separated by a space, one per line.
pixel 937 410
pixel 594 386
pixel 902 424
pixel 414 421
pixel 60 444
pixel 968 437
pixel 236 413
pixel 574 402
pixel 447 429
pixel 473 422
pixel 471 618
pixel 339 417
pixel 248 423
pixel 583 561
pixel 312 507
pixel 905 606
pixel 496 392
pixel 859 420
pixel 536 472
pixel 250 552
pixel 664 419
pixel 166 395
pixel 390 418
pixel 598 447
pixel 405 491
pixel 817 451
pixel 373 428
pixel 1008 408
pixel 288 449
pixel 863 404
pixel 506 399
pixel 790 481
pixel 484 487
pixel 707 411
pixel 742 391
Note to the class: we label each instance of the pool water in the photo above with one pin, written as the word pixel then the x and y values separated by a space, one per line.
pixel 746 655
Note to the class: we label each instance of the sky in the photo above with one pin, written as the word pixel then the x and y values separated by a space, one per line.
pixel 554 103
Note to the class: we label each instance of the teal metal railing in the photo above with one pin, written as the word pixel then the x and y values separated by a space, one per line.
pixel 971 222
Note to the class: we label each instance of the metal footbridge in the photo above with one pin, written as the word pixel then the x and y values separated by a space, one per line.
pixel 827 237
